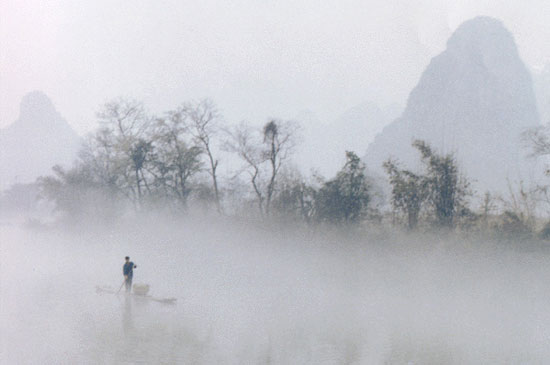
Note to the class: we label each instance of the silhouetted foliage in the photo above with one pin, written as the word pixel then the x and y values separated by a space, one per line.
pixel 295 200
pixel 409 192
pixel 545 232
pixel 345 198
pixel 447 190
pixel 159 162
pixel 78 195
pixel 511 225
pixel 176 159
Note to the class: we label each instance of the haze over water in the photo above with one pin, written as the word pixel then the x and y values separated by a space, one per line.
pixel 325 235
pixel 259 295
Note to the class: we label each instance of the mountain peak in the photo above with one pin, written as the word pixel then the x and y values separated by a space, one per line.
pixel 39 139
pixel 487 40
pixel 474 99
pixel 482 30
pixel 36 106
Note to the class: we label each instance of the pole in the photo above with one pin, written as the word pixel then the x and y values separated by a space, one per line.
pixel 123 282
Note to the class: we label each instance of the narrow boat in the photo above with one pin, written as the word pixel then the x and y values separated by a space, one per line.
pixel 141 295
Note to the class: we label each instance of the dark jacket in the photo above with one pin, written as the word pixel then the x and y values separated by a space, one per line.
pixel 128 269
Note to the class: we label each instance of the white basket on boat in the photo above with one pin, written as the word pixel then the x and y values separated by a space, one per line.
pixel 141 289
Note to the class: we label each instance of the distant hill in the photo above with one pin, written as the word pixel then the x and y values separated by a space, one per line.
pixel 39 139
pixel 325 144
pixel 474 99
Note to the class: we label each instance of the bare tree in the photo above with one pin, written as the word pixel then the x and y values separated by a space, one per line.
pixel 522 203
pixel 243 141
pixel 279 138
pixel 264 152
pixel 120 147
pixel 488 207
pixel 537 140
pixel 203 119
pixel 126 118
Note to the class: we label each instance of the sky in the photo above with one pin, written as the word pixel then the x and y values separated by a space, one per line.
pixel 256 59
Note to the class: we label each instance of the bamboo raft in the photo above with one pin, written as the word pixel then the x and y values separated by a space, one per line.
pixel 110 290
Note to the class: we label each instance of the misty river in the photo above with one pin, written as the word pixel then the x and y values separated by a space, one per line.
pixel 269 295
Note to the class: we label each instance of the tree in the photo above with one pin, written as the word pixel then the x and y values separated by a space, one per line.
pixel 295 199
pixel 279 138
pixel 409 192
pixel 447 190
pixel 538 141
pixel 522 203
pixel 243 142
pixel 139 151
pixel 176 159
pixel 121 147
pixel 139 157
pixel 344 199
pixel 101 156
pixel 202 122
pixel 488 206
pixel 264 153
pixel 78 194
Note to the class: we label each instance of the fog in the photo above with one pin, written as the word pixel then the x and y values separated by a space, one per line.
pixel 256 59
pixel 251 293
pixel 294 251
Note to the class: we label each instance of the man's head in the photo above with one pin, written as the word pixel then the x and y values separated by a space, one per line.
pixel 127 258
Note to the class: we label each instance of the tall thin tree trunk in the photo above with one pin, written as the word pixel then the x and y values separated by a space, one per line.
pixel 138 184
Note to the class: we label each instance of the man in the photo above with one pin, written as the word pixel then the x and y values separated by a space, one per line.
pixel 128 272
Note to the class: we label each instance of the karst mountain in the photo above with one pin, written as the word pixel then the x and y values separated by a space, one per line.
pixel 475 100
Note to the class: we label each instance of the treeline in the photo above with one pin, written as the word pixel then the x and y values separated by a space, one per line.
pixel 186 160
pixel 172 162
